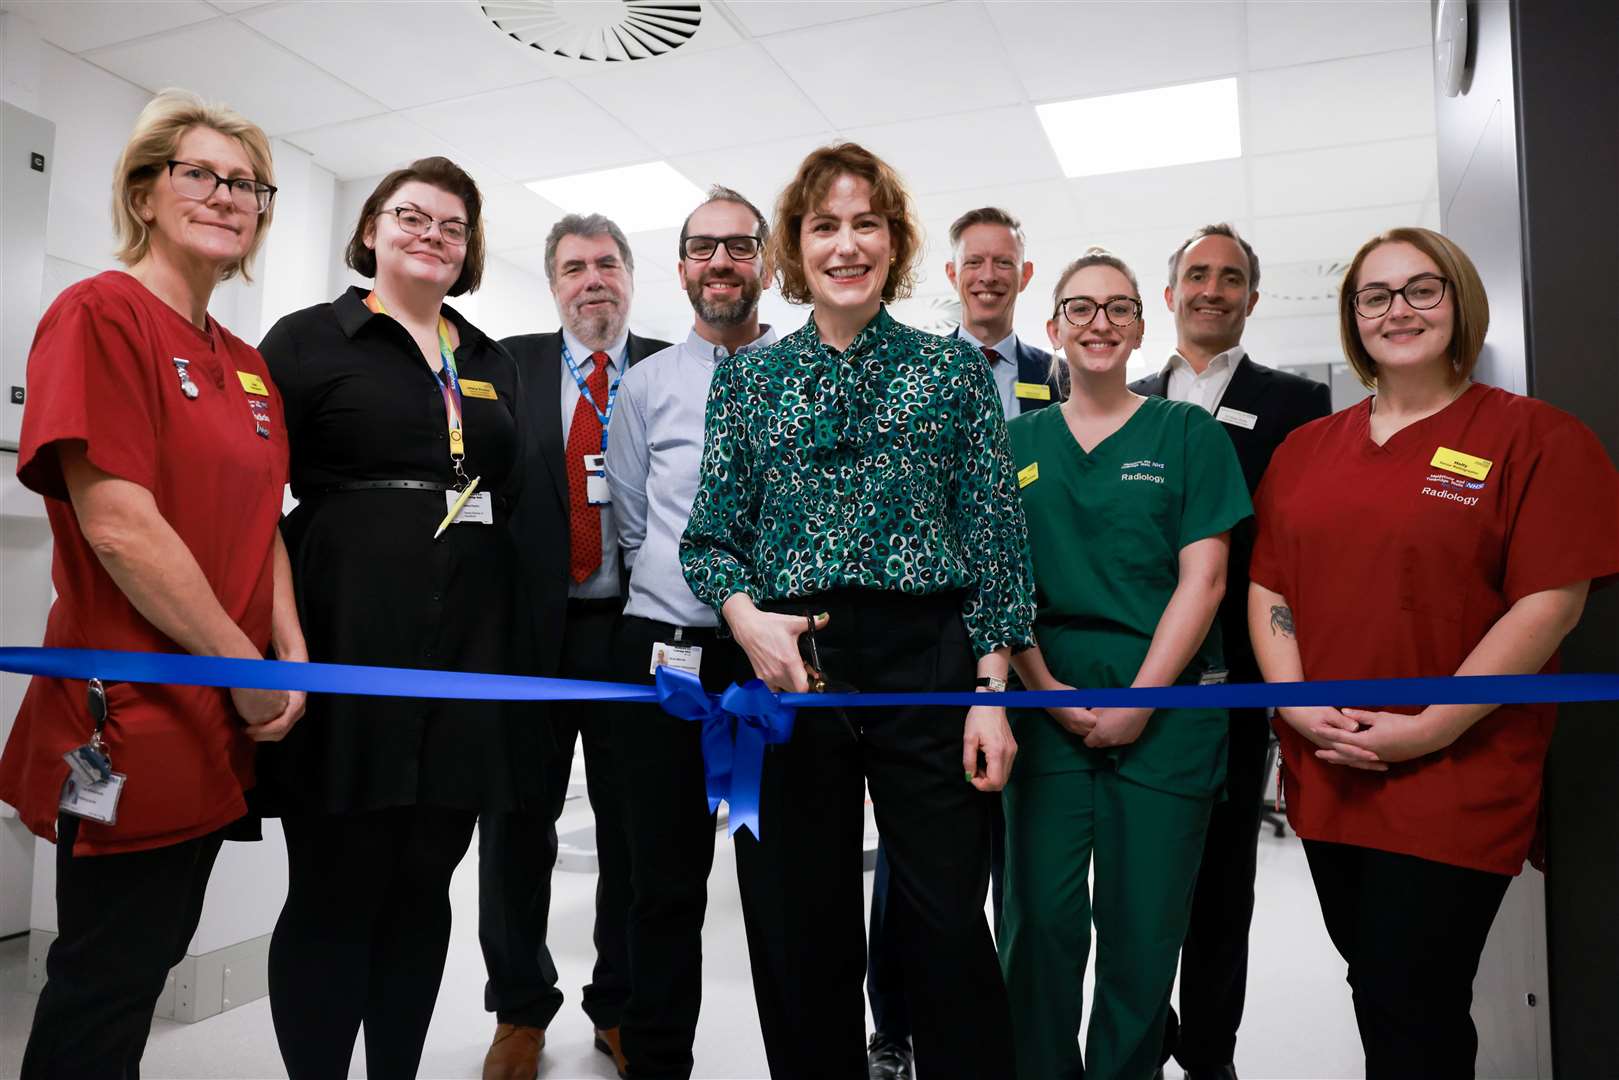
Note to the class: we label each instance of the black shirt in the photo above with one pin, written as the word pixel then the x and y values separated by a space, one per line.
pixel 375 588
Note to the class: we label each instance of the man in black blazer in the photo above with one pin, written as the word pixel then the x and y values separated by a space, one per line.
pixel 573 585
pixel 1213 286
pixel 988 271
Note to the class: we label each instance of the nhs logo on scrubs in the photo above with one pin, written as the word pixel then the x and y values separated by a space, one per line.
pixel 1455 481
pixel 1150 471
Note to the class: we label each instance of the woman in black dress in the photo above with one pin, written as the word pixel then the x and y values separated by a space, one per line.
pixel 395 405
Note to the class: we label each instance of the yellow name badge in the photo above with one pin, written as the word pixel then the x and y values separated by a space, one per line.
pixel 1028 474
pixel 474 388
pixel 253 384
pixel 1474 468
pixel 1034 391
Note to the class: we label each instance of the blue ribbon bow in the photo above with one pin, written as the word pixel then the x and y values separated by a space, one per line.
pixel 736 727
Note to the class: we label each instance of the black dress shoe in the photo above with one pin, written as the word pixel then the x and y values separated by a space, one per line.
pixel 1228 1071
pixel 888 1059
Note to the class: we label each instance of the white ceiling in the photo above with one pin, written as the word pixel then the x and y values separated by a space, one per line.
pixel 1337 113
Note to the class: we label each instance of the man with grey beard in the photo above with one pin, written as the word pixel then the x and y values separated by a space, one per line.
pixel 652 471
pixel 573 579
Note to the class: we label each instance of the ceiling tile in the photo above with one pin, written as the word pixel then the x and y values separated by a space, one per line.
pixel 967 150
pixel 1371 174
pixel 761 17
pixel 458 51
pixel 1181 195
pixel 1383 96
pixel 90 24
pixel 531 259
pixel 1082 50
pixel 515 217
pixel 1322 236
pixel 1044 209
pixel 1303 31
pixel 378 144
pixel 534 131
pixel 759 174
pixel 225 61
pixel 233 6
pixel 897 66
pixel 687 103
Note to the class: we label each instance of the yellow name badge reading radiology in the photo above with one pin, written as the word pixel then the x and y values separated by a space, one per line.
pixel 478 389
pixel 1034 391
pixel 1028 474
pixel 1474 468
pixel 253 384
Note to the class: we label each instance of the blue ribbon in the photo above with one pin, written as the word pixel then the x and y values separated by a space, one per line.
pixel 738 724
pixel 736 727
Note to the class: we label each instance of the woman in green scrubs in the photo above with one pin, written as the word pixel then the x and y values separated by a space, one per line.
pixel 1129 502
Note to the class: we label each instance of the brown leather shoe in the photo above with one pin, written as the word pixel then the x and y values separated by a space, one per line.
pixel 607 1041
pixel 515 1053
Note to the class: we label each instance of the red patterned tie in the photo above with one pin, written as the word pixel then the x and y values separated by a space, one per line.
pixel 989 354
pixel 585 437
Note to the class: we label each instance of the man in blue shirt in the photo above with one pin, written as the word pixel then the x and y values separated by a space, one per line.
pixel 653 453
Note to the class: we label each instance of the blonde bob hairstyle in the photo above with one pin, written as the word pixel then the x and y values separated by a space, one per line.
pixel 808 190
pixel 1464 287
pixel 155 140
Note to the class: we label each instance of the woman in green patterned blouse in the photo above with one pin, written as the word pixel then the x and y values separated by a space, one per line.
pixel 857 483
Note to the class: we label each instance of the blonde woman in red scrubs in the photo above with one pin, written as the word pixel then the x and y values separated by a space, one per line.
pixel 1441 527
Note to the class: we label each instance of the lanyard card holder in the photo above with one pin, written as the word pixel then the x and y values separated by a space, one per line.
pixel 91 789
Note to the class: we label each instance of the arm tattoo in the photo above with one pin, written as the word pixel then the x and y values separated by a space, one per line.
pixel 1281 620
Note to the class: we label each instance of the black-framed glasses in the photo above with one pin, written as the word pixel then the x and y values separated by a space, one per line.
pixel 1080 310
pixel 1421 293
pixel 702 248
pixel 411 220
pixel 196 182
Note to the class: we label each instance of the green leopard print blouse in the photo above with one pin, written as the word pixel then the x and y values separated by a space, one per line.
pixel 885 466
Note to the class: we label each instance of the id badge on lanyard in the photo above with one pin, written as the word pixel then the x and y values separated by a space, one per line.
pixel 464 504
pixel 596 492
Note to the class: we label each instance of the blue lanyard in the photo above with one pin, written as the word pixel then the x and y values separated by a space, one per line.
pixel 605 416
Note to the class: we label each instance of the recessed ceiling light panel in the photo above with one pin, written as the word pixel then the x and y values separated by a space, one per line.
pixel 605 30
pixel 637 197
pixel 1145 129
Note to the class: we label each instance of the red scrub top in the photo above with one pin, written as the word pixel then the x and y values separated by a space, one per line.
pixel 1395 566
pixel 103 372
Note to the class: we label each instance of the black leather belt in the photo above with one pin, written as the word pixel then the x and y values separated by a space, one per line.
pixel 382 485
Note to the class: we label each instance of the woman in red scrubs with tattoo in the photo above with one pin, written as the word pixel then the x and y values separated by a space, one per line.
pixel 1441 527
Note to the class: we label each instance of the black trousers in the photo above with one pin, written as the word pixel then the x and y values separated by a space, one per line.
pixel 885 967
pixel 671 839
pixel 362 936
pixel 1412 931
pixel 1214 957
pixel 517 852
pixel 123 921
pixel 808 965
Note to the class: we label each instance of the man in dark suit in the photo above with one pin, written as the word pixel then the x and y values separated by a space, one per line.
pixel 573 584
pixel 1213 287
pixel 988 271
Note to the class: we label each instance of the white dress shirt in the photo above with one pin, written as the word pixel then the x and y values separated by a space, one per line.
pixel 1207 387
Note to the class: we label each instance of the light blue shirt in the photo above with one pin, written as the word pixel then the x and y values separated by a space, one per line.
pixel 1004 370
pixel 603 583
pixel 653 453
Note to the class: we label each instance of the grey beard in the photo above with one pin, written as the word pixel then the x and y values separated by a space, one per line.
pixel 598 331
pixel 735 313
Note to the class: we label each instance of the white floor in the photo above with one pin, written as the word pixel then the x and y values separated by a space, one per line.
pixel 1297 1024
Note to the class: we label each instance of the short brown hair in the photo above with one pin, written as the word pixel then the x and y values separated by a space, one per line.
pixel 985 215
pixel 156 139
pixel 815 177
pixel 1472 306
pixel 1094 256
pixel 1217 229
pixel 447 176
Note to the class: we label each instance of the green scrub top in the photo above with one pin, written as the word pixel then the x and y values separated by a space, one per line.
pixel 1106 529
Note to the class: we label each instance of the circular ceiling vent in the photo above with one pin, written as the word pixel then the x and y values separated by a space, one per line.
pixel 610 30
